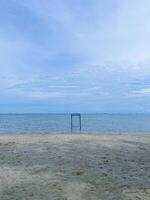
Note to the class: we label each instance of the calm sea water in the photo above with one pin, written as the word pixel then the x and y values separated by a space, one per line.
pixel 60 123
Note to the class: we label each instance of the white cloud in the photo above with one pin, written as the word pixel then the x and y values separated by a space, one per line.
pixel 114 35
pixel 142 92
pixel 108 43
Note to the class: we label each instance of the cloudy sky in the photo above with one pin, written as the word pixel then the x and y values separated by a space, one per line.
pixel 75 56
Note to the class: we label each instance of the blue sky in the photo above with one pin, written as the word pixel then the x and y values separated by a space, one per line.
pixel 75 56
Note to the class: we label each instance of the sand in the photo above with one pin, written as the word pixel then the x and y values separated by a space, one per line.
pixel 74 167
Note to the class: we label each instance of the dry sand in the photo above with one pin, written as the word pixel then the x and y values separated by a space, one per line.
pixel 74 167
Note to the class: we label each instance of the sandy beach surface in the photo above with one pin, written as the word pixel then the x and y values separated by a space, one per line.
pixel 74 167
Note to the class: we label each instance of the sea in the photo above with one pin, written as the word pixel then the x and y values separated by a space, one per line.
pixel 61 123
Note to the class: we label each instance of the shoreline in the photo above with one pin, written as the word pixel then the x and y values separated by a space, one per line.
pixel 33 138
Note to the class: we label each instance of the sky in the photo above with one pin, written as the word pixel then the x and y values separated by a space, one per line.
pixel 62 56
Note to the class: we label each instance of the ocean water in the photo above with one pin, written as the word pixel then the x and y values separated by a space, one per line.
pixel 61 123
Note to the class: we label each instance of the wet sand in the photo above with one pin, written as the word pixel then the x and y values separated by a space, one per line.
pixel 74 167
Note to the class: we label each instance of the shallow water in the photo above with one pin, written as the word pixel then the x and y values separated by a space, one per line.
pixel 60 123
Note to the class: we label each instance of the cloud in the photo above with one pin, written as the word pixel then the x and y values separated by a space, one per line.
pixel 101 33
pixel 90 51
pixel 142 92
pixel 44 89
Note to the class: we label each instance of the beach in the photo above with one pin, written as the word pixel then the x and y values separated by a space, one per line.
pixel 74 167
